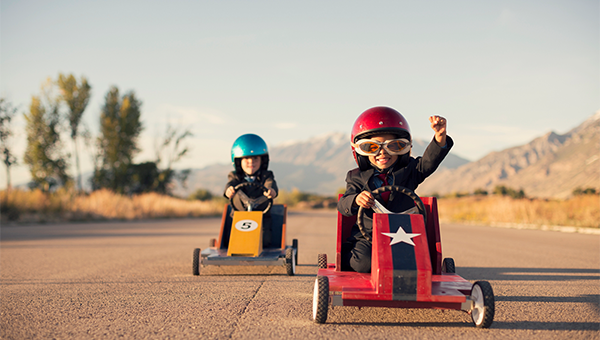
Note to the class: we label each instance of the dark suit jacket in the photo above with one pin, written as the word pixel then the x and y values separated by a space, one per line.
pixel 409 176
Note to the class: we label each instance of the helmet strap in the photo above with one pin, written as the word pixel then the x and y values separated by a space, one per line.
pixel 363 162
pixel 264 162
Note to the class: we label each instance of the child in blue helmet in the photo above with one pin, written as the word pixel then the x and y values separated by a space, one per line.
pixel 250 158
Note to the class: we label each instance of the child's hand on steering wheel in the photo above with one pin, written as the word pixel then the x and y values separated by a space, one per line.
pixel 271 193
pixel 229 192
pixel 365 200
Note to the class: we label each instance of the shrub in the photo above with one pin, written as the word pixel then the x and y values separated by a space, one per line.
pixel 297 198
pixel 456 194
pixel 201 195
pixel 588 191
pixel 510 192
pixel 480 192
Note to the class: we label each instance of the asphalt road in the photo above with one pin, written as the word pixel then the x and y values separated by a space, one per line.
pixel 134 280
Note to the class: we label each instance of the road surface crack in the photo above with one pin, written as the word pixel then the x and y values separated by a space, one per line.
pixel 236 325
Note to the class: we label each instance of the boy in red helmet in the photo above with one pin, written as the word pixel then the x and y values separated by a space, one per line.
pixel 381 142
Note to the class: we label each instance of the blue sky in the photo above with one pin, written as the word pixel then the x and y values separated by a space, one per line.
pixel 501 72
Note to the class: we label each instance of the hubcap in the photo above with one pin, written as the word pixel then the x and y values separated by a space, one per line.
pixel 478 307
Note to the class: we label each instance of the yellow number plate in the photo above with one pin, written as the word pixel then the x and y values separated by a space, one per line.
pixel 246 234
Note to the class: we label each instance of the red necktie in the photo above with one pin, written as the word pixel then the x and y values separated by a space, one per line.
pixel 386 194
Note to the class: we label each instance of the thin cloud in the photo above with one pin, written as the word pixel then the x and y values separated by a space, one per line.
pixel 230 40
pixel 285 125
pixel 191 115
pixel 503 131
pixel 506 18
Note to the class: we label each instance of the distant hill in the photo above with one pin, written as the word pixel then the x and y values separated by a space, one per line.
pixel 318 165
pixel 550 166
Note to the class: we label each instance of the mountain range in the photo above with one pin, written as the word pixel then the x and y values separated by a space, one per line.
pixel 550 166
pixel 318 165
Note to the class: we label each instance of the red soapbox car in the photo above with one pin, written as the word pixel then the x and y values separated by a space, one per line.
pixel 407 270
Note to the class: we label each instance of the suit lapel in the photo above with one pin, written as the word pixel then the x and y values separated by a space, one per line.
pixel 365 177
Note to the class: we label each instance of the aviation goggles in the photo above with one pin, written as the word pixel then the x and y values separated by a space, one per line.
pixel 369 147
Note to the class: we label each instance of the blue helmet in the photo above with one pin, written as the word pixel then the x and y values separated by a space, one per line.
pixel 248 145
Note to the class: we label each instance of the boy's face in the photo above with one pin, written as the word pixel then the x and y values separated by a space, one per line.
pixel 383 160
pixel 250 165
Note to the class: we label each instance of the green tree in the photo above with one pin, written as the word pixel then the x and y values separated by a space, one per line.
pixel 76 97
pixel 7 113
pixel 143 177
pixel 146 177
pixel 44 153
pixel 169 151
pixel 120 127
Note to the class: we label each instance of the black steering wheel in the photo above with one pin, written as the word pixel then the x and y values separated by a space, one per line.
pixel 377 192
pixel 250 203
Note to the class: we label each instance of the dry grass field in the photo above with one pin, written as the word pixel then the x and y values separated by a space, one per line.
pixel 578 211
pixel 36 206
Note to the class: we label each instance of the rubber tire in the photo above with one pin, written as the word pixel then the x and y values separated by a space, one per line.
pixel 322 261
pixel 196 262
pixel 484 304
pixel 448 266
pixel 290 261
pixel 320 299
pixel 212 243
pixel 295 246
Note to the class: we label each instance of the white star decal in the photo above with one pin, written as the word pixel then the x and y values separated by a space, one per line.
pixel 401 236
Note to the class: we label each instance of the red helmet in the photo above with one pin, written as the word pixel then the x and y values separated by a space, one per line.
pixel 378 120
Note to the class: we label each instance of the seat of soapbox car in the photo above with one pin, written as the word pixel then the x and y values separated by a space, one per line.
pixel 407 270
pixel 240 241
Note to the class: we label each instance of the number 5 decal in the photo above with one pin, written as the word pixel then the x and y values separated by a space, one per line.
pixel 246 225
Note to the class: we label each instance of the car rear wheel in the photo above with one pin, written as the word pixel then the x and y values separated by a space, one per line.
pixel 322 261
pixel 196 262
pixel 295 246
pixel 448 266
pixel 320 299
pixel 483 304
pixel 290 261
